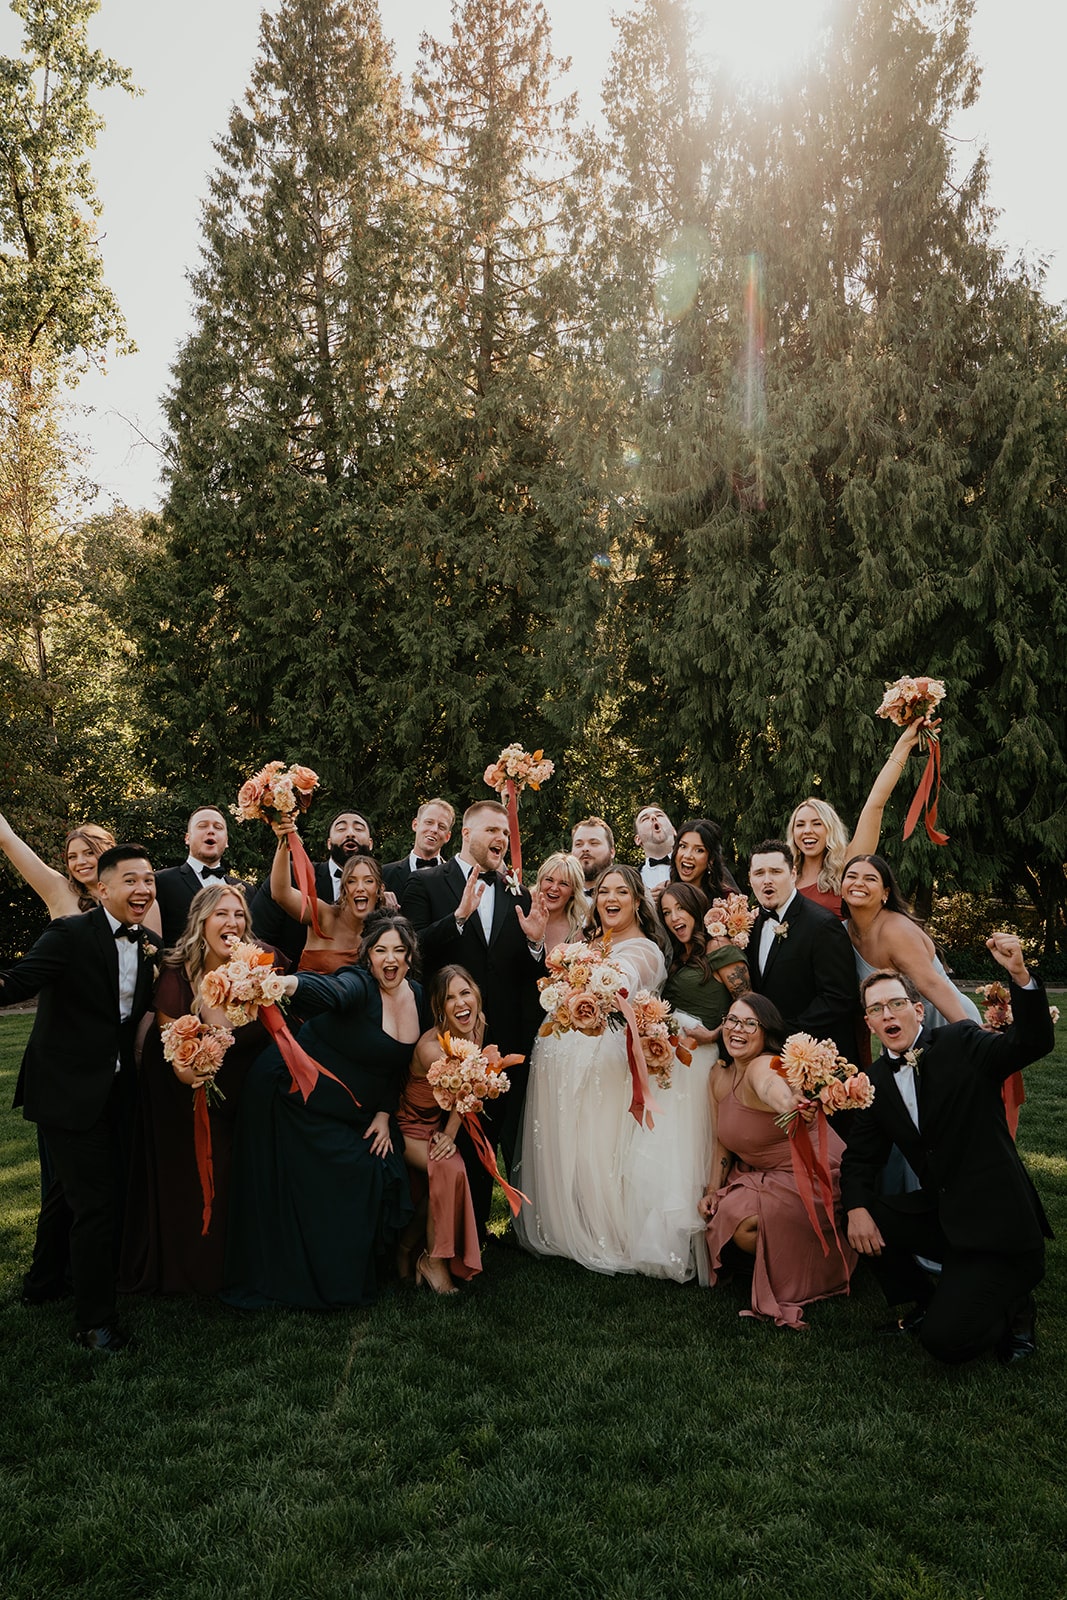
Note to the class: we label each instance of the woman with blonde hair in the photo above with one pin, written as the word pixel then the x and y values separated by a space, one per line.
pixel 820 840
pixel 562 882
pixel 165 1250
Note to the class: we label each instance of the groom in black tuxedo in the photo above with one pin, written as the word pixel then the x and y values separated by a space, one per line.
pixel 464 912
pixel 801 956
pixel 94 976
pixel 206 838
pixel 938 1099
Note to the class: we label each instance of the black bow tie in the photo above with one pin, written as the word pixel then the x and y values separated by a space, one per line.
pixel 212 872
pixel 487 877
pixel 658 861
pixel 770 916
pixel 131 932
pixel 421 864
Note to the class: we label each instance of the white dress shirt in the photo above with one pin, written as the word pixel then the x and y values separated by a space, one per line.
pixel 127 951
pixel 768 935
pixel 488 900
pixel 651 877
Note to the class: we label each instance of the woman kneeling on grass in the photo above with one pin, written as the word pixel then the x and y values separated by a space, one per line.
pixel 752 1203
pixel 444 1219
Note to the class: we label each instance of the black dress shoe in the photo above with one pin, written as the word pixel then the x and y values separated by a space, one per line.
pixel 1020 1339
pixel 910 1322
pixel 109 1340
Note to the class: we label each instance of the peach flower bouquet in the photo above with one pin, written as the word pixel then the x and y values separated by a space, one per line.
pixel 245 984
pixel 905 701
pixel 731 918
pixel 580 990
pixel 463 1078
pixel 275 793
pixel 815 1069
pixel 195 1050
pixel 660 1035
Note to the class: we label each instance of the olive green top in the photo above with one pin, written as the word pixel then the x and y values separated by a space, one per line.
pixel 707 1001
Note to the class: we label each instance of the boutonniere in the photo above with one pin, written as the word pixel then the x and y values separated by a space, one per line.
pixel 913 1057
pixel 781 930
pixel 513 881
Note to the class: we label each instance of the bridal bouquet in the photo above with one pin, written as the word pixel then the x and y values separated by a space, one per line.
pixel 275 793
pixel 904 702
pixel 659 1031
pixel 516 766
pixel 247 987
pixel 731 918
pixel 245 984
pixel 815 1069
pixel 580 990
pixel 514 770
pixel 996 1013
pixel 463 1079
pixel 195 1050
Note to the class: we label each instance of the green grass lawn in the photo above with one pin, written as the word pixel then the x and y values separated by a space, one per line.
pixel 547 1433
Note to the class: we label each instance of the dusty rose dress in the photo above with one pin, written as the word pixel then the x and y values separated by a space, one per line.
pixel 455 1229
pixel 790 1270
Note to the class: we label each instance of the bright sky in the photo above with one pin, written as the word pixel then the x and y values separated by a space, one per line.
pixel 192 59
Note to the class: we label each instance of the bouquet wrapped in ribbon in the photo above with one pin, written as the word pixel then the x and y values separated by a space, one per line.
pixel 997 1015
pixel 659 1032
pixel 514 770
pixel 277 793
pixel 814 1069
pixel 195 1050
pixel 731 918
pixel 462 1080
pixel 246 987
pixel 903 703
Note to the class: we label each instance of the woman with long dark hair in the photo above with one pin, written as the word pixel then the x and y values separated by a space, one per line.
pixel 698 858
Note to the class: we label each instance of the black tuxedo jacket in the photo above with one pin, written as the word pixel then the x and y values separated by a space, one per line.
pixel 503 968
pixel 811 975
pixel 68 1069
pixel 175 889
pixel 969 1170
pixel 272 925
pixel 397 873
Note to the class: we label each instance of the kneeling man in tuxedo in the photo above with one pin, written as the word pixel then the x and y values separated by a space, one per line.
pixel 465 912
pixel 94 975
pixel 938 1098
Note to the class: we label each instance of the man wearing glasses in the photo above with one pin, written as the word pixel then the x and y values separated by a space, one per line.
pixel 937 1097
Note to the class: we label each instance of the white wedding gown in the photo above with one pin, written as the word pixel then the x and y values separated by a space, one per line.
pixel 603 1191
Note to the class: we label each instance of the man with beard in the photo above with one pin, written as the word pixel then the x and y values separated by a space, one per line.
pixel 593 846
pixel 349 836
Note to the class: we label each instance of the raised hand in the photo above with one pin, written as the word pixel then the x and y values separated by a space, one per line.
pixel 472 894
pixel 1006 949
pixel 534 922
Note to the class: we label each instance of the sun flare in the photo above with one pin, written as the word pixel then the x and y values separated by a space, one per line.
pixel 760 41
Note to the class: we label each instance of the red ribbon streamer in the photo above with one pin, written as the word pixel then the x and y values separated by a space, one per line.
pixel 811 1169
pixel 512 804
pixel 304 873
pixel 642 1104
pixel 1013 1093
pixel 930 782
pixel 202 1146
pixel 487 1156
pixel 303 1071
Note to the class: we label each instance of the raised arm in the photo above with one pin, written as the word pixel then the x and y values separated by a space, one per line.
pixel 910 953
pixel 864 841
pixel 282 890
pixel 52 887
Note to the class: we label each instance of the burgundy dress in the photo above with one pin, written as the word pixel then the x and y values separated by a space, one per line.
pixel 164 1250
pixel 454 1225
pixel 829 899
pixel 789 1270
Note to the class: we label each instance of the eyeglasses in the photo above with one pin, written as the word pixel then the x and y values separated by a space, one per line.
pixel 878 1010
pixel 743 1024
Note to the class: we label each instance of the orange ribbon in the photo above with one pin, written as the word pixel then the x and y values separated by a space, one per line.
pixel 512 804
pixel 304 873
pixel 1013 1093
pixel 812 1169
pixel 202 1147
pixel 642 1104
pixel 487 1156
pixel 303 1071
pixel 929 783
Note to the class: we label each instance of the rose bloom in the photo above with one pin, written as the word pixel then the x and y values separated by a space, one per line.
pixel 272 988
pixel 585 1013
pixel 860 1090
pixel 184 1051
pixel 304 780
pixel 605 979
pixel 249 795
pixel 551 996
pixel 187 1027
pixel 656 1049
pixel 834 1095
pixel 215 987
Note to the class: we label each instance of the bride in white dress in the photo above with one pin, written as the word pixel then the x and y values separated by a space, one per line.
pixel 604 1190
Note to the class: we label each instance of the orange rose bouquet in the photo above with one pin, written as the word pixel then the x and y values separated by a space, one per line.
pixel 903 703
pixel 513 771
pixel 659 1031
pixel 580 989
pixel 195 1050
pixel 731 918
pixel 276 793
pixel 463 1078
